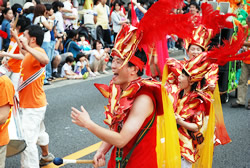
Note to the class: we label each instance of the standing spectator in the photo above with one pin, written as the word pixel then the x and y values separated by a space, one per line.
pixel 99 58
pixel 102 19
pixel 71 45
pixel 71 18
pixel 15 8
pixel 33 99
pixel 47 25
pixel 6 17
pixel 243 82
pixel 117 18
pixel 140 10
pixel 57 7
pixel 6 102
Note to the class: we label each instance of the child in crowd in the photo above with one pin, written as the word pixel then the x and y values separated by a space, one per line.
pixel 67 69
pixel 85 45
pixel 82 66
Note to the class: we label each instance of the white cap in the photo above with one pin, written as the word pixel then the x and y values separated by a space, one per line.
pixel 27 5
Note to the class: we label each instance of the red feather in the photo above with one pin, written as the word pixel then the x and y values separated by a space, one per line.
pixel 212 19
pixel 158 22
pixel 228 51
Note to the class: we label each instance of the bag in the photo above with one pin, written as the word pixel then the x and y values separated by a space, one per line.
pixel 42 26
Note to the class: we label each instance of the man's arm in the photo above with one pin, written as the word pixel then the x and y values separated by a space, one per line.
pixel 99 158
pixel 4 113
pixel 39 56
pixel 142 108
pixel 15 56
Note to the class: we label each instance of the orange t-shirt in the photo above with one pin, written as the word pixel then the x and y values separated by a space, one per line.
pixel 14 64
pixel 6 97
pixel 33 95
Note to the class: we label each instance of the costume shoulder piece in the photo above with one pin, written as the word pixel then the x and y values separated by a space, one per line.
pixel 120 102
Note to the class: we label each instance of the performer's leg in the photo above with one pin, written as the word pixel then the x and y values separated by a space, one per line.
pixel 243 85
pixel 2 156
pixel 31 119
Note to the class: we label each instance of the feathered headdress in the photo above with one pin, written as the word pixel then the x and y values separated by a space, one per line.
pixel 211 23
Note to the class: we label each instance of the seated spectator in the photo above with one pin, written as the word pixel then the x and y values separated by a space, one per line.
pixel 82 66
pixel 71 45
pixel 83 43
pixel 5 19
pixel 67 69
pixel 99 58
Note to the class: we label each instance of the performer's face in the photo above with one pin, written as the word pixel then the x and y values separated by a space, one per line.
pixel 194 51
pixel 184 82
pixel 121 74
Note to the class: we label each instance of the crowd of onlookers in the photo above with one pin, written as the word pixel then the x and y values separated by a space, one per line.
pixel 79 47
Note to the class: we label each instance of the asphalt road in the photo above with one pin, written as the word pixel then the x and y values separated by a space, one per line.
pixel 67 138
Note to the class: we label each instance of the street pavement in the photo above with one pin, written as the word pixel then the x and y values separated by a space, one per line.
pixel 67 138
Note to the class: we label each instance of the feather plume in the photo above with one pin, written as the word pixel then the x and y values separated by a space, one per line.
pixel 159 21
pixel 213 19
pixel 228 51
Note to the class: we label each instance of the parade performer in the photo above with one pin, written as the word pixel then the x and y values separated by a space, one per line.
pixel 133 106
pixel 128 97
pixel 12 65
pixel 32 96
pixel 201 66
pixel 190 106
pixel 6 103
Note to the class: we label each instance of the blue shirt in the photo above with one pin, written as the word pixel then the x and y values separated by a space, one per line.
pixel 6 28
pixel 73 47
pixel 139 14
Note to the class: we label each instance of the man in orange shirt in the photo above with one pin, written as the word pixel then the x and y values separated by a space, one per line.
pixel 33 99
pixel 6 102
pixel 14 64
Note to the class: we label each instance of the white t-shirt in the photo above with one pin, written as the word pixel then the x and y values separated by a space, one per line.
pixel 39 20
pixel 93 54
pixel 60 22
pixel 66 67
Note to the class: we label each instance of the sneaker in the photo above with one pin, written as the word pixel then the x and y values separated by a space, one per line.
pixel 236 105
pixel 105 72
pixel 56 75
pixel 97 73
pixel 92 74
pixel 46 159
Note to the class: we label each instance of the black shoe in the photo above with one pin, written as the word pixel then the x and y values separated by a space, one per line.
pixel 56 75
pixel 236 105
pixel 47 83
pixel 248 107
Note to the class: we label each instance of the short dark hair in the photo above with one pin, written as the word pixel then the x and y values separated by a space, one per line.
pixel 48 7
pixel 23 22
pixel 95 42
pixel 143 57
pixel 72 34
pixel 15 7
pixel 37 32
pixel 194 4
pixel 116 2
pixel 69 59
pixel 80 55
pixel 57 4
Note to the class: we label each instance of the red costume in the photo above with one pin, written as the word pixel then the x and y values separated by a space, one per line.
pixel 117 111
